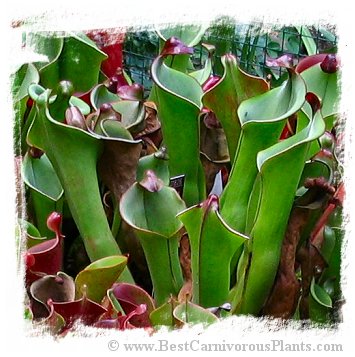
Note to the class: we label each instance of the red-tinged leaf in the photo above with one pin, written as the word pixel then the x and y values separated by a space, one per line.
pixel 122 322
pixel 43 247
pixel 54 322
pixel 286 133
pixel 290 127
pixel 330 64
pixel 84 309
pixel 133 92
pixel 139 312
pixel 119 154
pixel 152 123
pixel 35 153
pixel 174 46
pixel 94 120
pixel 310 61
pixel 29 260
pixel 338 199
pixel 84 96
pixel 46 257
pixel 213 146
pixel 324 155
pixel 109 41
pixel 211 82
pixel 283 299
pixel 283 61
pixel 211 121
pixel 116 81
pixel 58 288
pixel 114 62
pixel 74 117
pixel 54 222
pixel 108 112
pixel 151 182
pixel 32 276
pixel 313 101
pixel 110 323
pixel 130 297
pixel 211 203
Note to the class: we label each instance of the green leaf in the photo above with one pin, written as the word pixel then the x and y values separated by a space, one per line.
pixel 189 313
pixel 114 302
pixel 213 245
pixel 262 119
pixel 273 48
pixel 101 95
pixel 319 313
pixel 325 86
pixel 253 204
pixel 328 286
pixel 333 271
pixel 179 103
pixel 42 207
pixel 224 98
pixel 303 117
pixel 39 174
pixel 30 229
pixel 164 315
pixel 45 45
pixel 99 276
pixel 320 295
pixel 132 114
pixel 222 35
pixel 114 129
pixel 77 102
pixel 59 103
pixel 292 44
pixel 33 235
pixel 74 153
pixel 202 74
pixel 139 207
pixel 26 75
pixel 328 243
pixel 280 167
pixel 307 39
pixel 190 35
pixel 164 204
pixel 27 314
pixel 74 58
pixel 157 162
